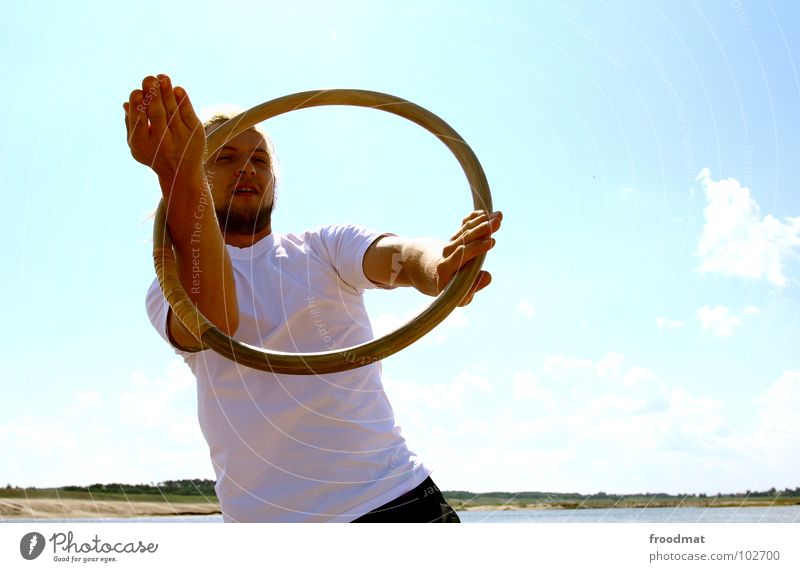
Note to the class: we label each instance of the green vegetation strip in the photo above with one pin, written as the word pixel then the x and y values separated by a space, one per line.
pixel 202 491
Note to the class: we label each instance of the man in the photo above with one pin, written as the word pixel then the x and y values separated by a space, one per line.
pixel 287 448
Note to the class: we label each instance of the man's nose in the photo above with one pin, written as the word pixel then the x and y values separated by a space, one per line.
pixel 248 168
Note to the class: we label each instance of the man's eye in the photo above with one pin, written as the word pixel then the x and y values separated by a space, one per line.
pixel 263 161
pixel 224 158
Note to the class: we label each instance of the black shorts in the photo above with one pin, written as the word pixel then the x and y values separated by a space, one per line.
pixel 425 503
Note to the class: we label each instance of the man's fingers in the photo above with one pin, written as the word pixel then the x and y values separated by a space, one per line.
pixel 481 282
pixel 153 105
pixel 471 216
pixel 168 98
pixel 477 218
pixel 138 130
pixel 481 232
pixel 127 126
pixel 185 108
pixel 466 252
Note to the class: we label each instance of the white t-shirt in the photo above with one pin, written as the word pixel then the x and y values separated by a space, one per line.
pixel 299 448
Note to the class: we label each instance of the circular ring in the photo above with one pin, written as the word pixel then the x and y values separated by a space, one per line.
pixel 375 350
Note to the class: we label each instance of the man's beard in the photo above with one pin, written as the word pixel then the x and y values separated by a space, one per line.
pixel 234 221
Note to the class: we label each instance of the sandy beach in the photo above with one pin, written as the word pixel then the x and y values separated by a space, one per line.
pixel 493 507
pixel 71 508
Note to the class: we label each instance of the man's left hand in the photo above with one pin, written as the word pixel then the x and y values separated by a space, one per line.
pixel 472 239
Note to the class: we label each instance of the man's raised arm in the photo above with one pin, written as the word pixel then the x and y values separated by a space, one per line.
pixel 165 134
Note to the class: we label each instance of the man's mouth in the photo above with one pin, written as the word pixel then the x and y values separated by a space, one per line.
pixel 245 191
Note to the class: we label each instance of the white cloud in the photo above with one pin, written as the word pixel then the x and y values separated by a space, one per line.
pixel 609 409
pixel 526 309
pixel 527 387
pixel 621 423
pixel 572 386
pixel 718 320
pixel 780 409
pixel 647 388
pixel 737 241
pixel 457 319
pixel 561 366
pixel 151 403
pixel 31 435
pixel 611 366
pixel 466 386
pixel 752 310
pixel 439 335
pixel 83 401
pixel 386 322
pixel 665 324
pixel 146 432
pixel 772 448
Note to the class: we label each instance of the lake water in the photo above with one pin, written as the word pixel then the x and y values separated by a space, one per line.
pixel 614 515
pixel 786 514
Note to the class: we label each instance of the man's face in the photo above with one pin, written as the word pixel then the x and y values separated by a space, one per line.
pixel 242 183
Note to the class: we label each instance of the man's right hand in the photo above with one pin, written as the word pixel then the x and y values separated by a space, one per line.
pixel 164 132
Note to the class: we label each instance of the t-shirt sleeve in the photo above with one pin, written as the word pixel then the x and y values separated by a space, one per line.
pixel 344 245
pixel 158 311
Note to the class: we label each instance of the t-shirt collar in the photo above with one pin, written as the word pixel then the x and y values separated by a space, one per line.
pixel 259 248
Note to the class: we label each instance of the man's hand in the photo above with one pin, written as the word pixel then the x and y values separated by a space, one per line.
pixel 430 266
pixel 164 132
pixel 472 239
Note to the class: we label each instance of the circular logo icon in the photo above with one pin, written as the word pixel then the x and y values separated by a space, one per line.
pixel 31 545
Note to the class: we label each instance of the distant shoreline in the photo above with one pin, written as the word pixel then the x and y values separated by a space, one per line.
pixel 49 504
pixel 620 505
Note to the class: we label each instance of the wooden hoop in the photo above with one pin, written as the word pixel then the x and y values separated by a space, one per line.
pixel 347 358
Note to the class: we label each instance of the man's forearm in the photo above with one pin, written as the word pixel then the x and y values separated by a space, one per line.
pixel 430 265
pixel 203 264
pixel 418 261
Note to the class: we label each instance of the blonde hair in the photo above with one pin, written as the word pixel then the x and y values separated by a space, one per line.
pixel 220 116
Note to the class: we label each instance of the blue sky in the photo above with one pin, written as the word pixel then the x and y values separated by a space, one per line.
pixel 640 333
